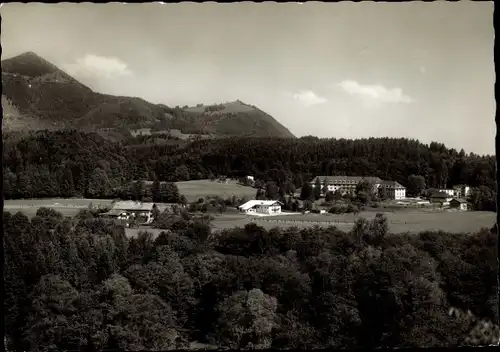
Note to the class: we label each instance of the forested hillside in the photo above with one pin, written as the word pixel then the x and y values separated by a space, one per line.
pixel 65 163
pixel 73 284
pixel 42 96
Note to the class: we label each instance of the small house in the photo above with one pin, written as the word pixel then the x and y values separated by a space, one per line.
pixel 440 197
pixel 267 207
pixel 458 203
pixel 116 214
pixel 135 210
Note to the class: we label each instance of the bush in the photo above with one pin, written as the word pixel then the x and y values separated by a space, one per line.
pixel 338 209
pixel 351 208
pixel 171 222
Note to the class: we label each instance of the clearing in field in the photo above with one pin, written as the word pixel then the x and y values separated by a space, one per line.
pixel 193 190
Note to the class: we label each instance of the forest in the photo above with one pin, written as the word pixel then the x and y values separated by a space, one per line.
pixel 70 163
pixel 80 283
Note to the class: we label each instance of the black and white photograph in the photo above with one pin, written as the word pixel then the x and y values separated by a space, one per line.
pixel 203 176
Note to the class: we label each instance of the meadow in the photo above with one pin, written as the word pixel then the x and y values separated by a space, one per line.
pixel 67 207
pixel 193 190
pixel 404 221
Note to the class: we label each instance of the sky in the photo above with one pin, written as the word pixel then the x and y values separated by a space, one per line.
pixel 422 70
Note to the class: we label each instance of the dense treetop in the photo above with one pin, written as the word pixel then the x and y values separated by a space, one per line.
pixel 81 283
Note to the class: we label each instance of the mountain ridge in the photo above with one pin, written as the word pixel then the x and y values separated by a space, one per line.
pixel 42 96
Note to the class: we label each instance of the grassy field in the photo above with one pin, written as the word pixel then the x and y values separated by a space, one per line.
pixel 67 207
pixel 459 222
pixel 55 202
pixel 193 190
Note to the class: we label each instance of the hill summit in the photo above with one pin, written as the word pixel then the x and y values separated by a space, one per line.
pixel 39 95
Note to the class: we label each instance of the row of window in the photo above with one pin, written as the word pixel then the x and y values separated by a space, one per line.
pixel 352 185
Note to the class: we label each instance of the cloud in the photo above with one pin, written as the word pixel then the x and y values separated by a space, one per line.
pixel 308 98
pixel 375 95
pixel 101 66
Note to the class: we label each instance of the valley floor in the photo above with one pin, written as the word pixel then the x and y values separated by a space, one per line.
pixel 399 220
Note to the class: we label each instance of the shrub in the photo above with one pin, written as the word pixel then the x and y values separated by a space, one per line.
pixel 338 209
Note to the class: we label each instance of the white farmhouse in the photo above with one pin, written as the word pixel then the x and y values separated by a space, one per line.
pixel 134 210
pixel 267 207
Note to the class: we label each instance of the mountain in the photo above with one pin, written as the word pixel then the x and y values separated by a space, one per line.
pixel 38 95
pixel 236 118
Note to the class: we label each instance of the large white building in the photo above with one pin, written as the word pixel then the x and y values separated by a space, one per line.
pixel 344 184
pixel 394 190
pixel 347 184
pixel 267 207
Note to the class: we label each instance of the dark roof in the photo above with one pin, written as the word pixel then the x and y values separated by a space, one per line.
pixel 440 195
pixel 459 200
pixel 113 212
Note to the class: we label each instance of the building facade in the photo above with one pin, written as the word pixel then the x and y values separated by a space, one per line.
pixel 448 191
pixel 461 191
pixel 442 198
pixel 265 207
pixel 347 185
pixel 344 184
pixel 393 189
pixel 136 210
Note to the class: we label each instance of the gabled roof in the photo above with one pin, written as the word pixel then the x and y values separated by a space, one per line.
pixel 347 178
pixel 253 203
pixel 440 195
pixel 133 206
pixel 393 184
pixel 113 212
pixel 460 200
